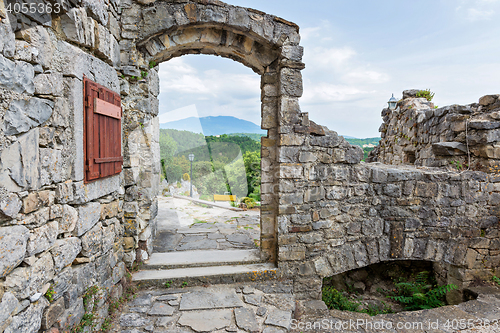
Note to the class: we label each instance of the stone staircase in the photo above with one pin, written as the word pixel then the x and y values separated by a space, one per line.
pixel 189 268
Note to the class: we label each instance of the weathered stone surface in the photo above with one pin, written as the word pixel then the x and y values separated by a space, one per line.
pixel 88 216
pixel 68 220
pixel 133 320
pixel 8 306
pixel 161 309
pixel 42 238
pixel 206 321
pixel 26 281
pixel 10 205
pixel 245 319
pixel 199 300
pixel 92 241
pixel 65 251
pixel 23 115
pixel 17 76
pixel 19 167
pixel 30 320
pixel 449 148
pixel 52 313
pixel 279 318
pixel 13 242
pixel 49 84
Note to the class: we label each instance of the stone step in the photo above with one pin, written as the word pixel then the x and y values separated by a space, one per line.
pixel 205 258
pixel 196 276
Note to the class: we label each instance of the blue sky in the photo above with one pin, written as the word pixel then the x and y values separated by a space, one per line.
pixel 357 53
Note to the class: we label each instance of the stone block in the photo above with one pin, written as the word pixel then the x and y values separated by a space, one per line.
pixel 30 320
pixel 88 216
pixel 314 194
pixel 42 238
pixel 49 84
pixel 26 281
pixel 52 313
pixel 78 27
pixel 13 241
pixel 23 115
pixel 68 219
pixel 332 140
pixel 17 76
pixel 92 241
pixel 10 205
pixel 306 156
pixel 65 251
pixel 291 171
pixel 291 253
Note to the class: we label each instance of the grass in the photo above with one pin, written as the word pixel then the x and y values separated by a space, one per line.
pixel 342 301
pixel 496 279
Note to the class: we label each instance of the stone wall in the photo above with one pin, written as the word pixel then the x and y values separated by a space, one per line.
pixel 419 133
pixel 62 234
pixel 323 212
pixel 339 214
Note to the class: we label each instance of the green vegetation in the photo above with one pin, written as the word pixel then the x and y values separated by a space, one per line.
pixel 49 294
pixel 338 300
pixel 90 301
pixel 152 64
pixel 364 142
pixel 423 293
pixel 218 165
pixel 427 94
pixel 496 279
pixel 253 136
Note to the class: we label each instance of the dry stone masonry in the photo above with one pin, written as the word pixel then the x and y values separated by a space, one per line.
pixel 323 211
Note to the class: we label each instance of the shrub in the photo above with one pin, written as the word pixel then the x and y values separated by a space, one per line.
pixel 427 94
pixel 249 202
pixel 186 177
pixel 179 185
pixel 420 294
pixel 335 299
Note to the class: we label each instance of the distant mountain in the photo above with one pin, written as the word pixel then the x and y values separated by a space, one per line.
pixel 214 125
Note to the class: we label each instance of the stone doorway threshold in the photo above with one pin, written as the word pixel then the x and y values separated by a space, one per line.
pixel 201 244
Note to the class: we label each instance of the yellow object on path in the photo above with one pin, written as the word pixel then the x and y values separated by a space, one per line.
pixel 224 197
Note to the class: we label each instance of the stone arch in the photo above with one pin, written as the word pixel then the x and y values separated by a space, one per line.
pixel 160 31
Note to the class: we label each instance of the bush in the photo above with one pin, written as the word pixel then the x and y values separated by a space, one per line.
pixel 420 294
pixel 335 299
pixel 249 202
pixel 179 185
pixel 186 177
pixel 427 94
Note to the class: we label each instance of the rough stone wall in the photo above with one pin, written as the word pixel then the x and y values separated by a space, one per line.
pixel 337 214
pixel 61 233
pixel 418 133
pixel 57 233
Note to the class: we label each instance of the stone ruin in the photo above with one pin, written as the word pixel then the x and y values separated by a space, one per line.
pixel 323 211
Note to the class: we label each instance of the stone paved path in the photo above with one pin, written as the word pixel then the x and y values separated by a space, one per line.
pixel 270 307
pixel 185 226
pixel 251 307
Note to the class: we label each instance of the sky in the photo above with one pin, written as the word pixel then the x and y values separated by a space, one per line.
pixel 357 53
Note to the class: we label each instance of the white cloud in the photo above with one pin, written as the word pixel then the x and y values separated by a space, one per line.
pixel 321 58
pixel 477 10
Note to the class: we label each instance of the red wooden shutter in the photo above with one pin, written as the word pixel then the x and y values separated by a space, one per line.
pixel 102 131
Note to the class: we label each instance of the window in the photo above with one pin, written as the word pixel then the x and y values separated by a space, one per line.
pixel 102 141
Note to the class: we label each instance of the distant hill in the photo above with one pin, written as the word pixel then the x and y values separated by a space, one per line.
pixel 214 125
pixel 253 136
pixel 362 142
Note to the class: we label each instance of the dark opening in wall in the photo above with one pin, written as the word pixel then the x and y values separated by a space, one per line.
pixel 378 288
pixel 409 157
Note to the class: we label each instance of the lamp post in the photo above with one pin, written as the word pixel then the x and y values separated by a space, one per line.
pixel 191 159
pixel 392 103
